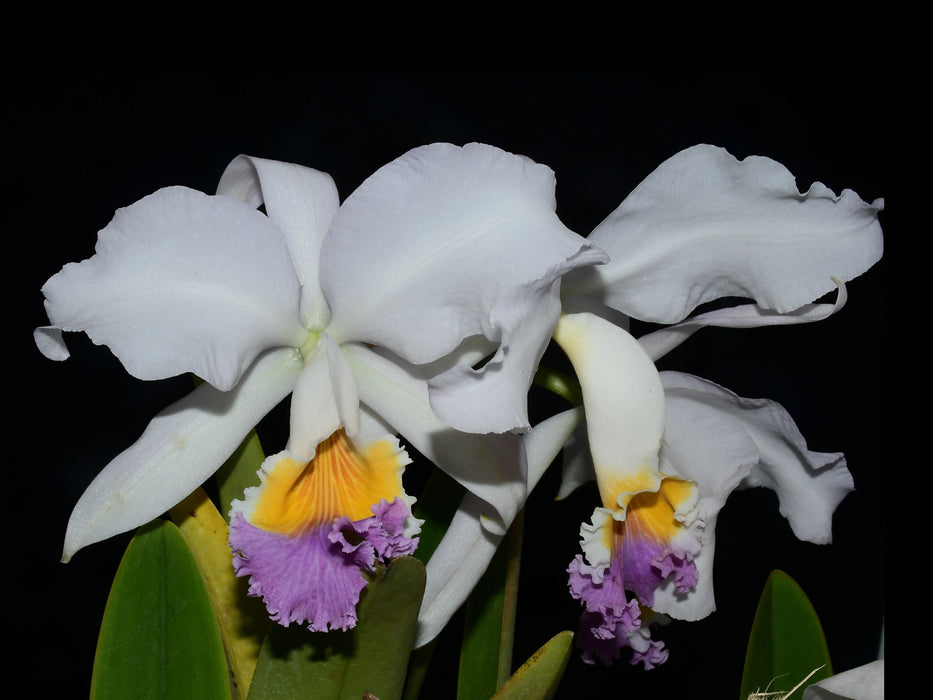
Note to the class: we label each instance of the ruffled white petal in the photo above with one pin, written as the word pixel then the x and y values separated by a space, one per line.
pixel 723 442
pixel 494 397
pixel 467 548
pixel 705 225
pixel 181 447
pixel 302 201
pixel 708 446
pixel 861 683
pixel 182 282
pixel 809 485
pixel 421 253
pixel 660 342
pixel 493 467
pixel 624 403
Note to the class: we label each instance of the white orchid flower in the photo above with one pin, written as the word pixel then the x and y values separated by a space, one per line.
pixel 860 683
pixel 667 449
pixel 443 251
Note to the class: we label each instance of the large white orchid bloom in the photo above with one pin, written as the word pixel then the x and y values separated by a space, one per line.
pixel 441 252
pixel 666 450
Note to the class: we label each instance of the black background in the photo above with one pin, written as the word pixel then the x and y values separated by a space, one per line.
pixel 77 147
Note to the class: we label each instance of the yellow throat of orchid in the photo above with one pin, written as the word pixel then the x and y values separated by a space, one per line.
pixel 341 480
pixel 654 515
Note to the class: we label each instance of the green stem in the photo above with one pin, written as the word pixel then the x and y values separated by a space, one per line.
pixel 510 603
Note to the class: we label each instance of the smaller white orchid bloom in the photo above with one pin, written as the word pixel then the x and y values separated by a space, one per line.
pixel 860 683
pixel 667 449
pixel 334 304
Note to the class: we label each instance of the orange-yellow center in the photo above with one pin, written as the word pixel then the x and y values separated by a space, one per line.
pixel 340 480
pixel 650 514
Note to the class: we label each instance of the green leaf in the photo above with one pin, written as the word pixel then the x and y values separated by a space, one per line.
pixel 436 506
pixel 786 642
pixel 489 624
pixel 539 677
pixel 371 658
pixel 242 618
pixel 240 471
pixel 159 637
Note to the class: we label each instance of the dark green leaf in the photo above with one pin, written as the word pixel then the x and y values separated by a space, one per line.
pixel 159 637
pixel 240 471
pixel 489 624
pixel 371 658
pixel 786 642
pixel 436 507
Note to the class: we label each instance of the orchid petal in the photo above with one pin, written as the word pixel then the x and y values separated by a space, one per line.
pixel 181 447
pixel 704 445
pixel 494 398
pixel 624 403
pixel 661 342
pixel 455 567
pixel 325 398
pixel 493 467
pixel 724 442
pixel 51 343
pixel 809 485
pixel 577 468
pixel 466 550
pixel 181 282
pixel 445 219
pixel 860 683
pixel 705 225
pixel 302 201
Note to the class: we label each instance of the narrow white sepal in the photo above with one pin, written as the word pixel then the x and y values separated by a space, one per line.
pixel 468 546
pixel 181 447
pixel 302 201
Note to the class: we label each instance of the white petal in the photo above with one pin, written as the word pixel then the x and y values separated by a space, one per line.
pixel 456 566
pixel 464 553
pixel 182 282
pixel 861 683
pixel 577 463
pixel 51 343
pixel 493 467
pixel 624 403
pixel 710 448
pixel 420 254
pixel 661 342
pixel 326 397
pixel 809 485
pixel 705 225
pixel 181 447
pixel 302 201
pixel 494 398
pixel 724 442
